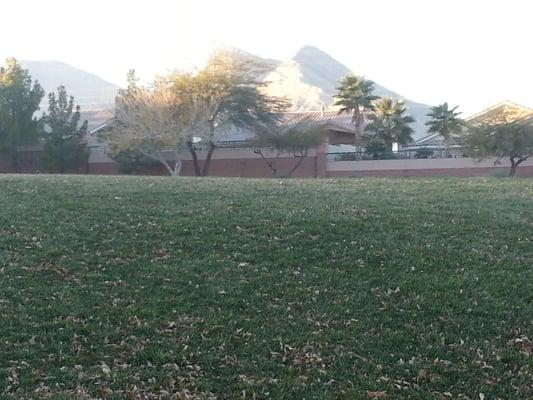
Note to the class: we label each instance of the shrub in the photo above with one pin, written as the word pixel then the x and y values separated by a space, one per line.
pixel 132 162
pixel 424 152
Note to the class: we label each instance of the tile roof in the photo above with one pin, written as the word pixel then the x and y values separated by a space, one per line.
pixel 342 121
pixel 505 106
pixel 331 119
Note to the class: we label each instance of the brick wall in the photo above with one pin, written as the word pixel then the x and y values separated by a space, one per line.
pixel 29 163
pixel 244 163
pixel 426 167
pixel 244 167
pixel 255 167
pixel 525 171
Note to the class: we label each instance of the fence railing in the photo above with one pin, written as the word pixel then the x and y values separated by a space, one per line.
pixel 409 154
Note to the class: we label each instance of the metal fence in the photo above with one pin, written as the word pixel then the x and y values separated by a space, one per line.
pixel 409 154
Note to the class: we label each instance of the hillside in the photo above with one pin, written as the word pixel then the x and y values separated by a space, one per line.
pixel 188 288
pixel 90 91
pixel 310 79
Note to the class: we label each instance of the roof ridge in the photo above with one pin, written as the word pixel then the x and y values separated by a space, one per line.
pixel 500 104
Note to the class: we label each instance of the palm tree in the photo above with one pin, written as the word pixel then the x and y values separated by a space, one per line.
pixel 389 123
pixel 355 96
pixel 446 122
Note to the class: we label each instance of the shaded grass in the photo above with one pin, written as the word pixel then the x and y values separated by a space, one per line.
pixel 126 287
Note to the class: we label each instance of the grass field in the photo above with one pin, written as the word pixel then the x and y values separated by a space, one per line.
pixel 161 288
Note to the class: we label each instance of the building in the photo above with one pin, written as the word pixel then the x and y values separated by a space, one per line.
pixel 235 156
pixel 29 158
pixel 505 111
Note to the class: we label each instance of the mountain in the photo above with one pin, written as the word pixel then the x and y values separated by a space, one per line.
pixel 239 54
pixel 309 80
pixel 95 96
pixel 89 91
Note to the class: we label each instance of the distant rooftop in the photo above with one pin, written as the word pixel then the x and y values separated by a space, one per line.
pixel 505 107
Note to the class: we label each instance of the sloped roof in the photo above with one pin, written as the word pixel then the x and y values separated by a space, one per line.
pixel 504 108
pixel 427 138
pixel 330 119
pixel 96 118
pixel 509 108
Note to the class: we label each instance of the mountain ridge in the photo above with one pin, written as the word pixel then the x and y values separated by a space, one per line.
pixel 309 80
pixel 89 90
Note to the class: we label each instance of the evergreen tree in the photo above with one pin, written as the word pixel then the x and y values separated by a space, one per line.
pixel 19 100
pixel 65 148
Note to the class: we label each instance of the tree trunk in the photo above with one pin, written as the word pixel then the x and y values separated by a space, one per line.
pixel 298 163
pixel 211 145
pixel 169 169
pixel 446 147
pixel 358 129
pixel 15 160
pixel 515 163
pixel 389 144
pixel 207 162
pixel 62 158
pixel 194 156
pixel 161 160
pixel 514 166
pixel 271 165
pixel 177 167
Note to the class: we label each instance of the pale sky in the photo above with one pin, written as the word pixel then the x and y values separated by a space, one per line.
pixel 470 53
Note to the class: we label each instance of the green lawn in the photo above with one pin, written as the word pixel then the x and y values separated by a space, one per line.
pixel 161 288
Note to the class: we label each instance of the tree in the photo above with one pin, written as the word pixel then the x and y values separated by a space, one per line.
pixel 19 100
pixel 507 139
pixel 446 122
pixel 295 139
pixel 376 148
pixel 229 90
pixel 355 96
pixel 389 123
pixel 131 161
pixel 424 152
pixel 65 147
pixel 153 121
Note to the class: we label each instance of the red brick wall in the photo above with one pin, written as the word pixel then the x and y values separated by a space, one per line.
pixel 110 168
pixel 254 167
pixel 245 167
pixel 28 163
pixel 314 166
